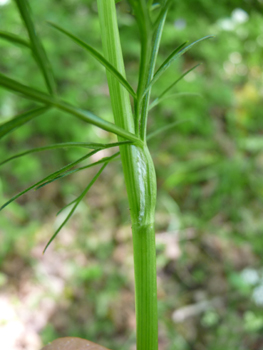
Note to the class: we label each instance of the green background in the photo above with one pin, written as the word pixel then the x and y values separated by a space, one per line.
pixel 210 185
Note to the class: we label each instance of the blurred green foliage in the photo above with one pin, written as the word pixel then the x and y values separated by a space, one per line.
pixel 209 173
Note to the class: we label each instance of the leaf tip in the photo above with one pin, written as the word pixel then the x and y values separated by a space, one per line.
pixel 47 245
pixel 5 205
pixel 50 23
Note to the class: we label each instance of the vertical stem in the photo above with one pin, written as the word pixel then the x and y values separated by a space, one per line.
pixel 145 287
pixel 145 103
pixel 140 182
pixel 145 28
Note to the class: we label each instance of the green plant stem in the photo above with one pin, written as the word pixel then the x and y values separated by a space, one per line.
pixel 145 283
pixel 144 23
pixel 140 182
pixel 146 99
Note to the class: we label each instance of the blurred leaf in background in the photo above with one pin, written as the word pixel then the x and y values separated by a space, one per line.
pixel 209 172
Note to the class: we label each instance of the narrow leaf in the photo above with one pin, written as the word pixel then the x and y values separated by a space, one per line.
pixel 52 180
pixel 99 58
pixel 97 146
pixel 66 206
pixel 47 178
pixel 103 160
pixel 145 102
pixel 141 12
pixel 36 46
pixel 164 10
pixel 155 77
pixel 28 92
pixel 87 116
pixel 177 80
pixel 103 124
pixel 20 120
pixel 175 95
pixel 155 6
pixel 79 199
pixel 178 52
pixel 14 39
pixel 165 128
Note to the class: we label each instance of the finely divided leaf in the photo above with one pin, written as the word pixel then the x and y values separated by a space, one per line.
pixel 15 39
pixel 20 120
pixel 177 80
pixel 145 101
pixel 161 97
pixel 164 9
pixel 103 160
pixel 165 128
pixel 155 6
pixel 77 201
pixel 178 52
pixel 97 146
pixel 175 95
pixel 66 206
pixel 49 177
pixel 28 92
pixel 87 116
pixel 103 124
pixel 99 58
pixel 36 46
pixel 163 67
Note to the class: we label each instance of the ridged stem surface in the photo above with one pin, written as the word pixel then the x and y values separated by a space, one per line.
pixel 140 182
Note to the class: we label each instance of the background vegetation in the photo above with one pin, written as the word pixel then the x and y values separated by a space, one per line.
pixel 210 187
